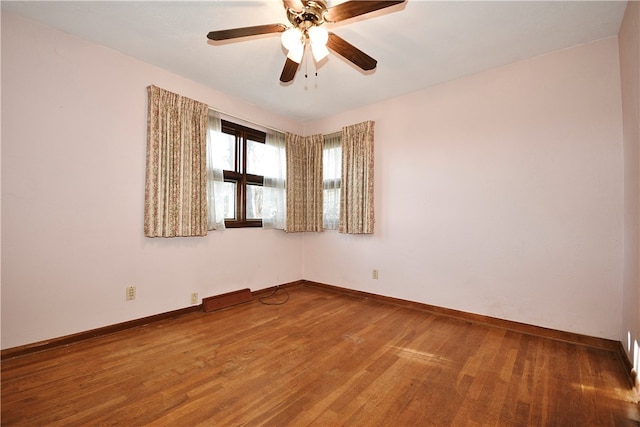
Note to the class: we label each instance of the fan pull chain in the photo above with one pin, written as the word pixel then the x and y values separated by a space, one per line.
pixel 306 60
pixel 306 67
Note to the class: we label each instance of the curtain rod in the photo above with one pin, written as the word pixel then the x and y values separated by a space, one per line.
pixel 246 121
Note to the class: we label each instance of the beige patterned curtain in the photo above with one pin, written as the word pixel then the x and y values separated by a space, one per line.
pixel 176 187
pixel 304 183
pixel 356 196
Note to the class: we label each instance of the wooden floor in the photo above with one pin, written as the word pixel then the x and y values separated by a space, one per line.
pixel 323 358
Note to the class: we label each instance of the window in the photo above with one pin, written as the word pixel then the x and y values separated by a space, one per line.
pixel 331 180
pixel 240 152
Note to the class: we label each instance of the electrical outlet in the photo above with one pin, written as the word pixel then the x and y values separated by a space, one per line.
pixel 131 293
pixel 374 274
pixel 194 298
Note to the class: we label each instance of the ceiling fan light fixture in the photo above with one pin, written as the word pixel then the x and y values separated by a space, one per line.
pixel 319 51
pixel 318 35
pixel 292 38
pixel 295 53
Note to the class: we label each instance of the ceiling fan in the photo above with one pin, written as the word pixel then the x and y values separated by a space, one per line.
pixel 306 18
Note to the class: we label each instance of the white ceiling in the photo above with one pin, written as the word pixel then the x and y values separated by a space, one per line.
pixel 417 44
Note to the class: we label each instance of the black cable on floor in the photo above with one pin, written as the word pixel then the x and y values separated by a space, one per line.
pixel 273 294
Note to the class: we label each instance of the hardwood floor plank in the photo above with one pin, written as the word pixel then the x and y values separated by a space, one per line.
pixel 323 358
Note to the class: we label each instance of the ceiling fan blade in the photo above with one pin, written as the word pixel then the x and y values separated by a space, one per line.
pixel 246 31
pixel 350 9
pixel 293 4
pixel 289 71
pixel 350 52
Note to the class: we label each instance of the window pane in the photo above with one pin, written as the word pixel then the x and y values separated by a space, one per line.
pixel 224 151
pixel 256 158
pixel 229 197
pixel 254 201
pixel 331 172
pixel 331 163
pixel 331 208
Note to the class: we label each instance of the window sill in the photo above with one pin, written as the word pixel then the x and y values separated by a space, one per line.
pixel 243 224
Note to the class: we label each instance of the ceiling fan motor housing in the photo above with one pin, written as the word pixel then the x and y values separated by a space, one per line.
pixel 311 15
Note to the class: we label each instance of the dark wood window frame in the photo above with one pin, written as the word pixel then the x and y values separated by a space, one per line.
pixel 240 176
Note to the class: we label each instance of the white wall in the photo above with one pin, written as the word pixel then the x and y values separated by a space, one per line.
pixel 498 194
pixel 73 161
pixel 630 75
